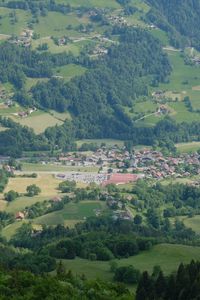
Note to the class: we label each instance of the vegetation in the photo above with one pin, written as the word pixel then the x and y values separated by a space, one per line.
pixel 180 21
pixel 182 285
pixel 33 190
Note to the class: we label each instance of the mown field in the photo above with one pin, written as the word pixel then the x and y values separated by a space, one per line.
pixel 38 120
pixel 188 147
pixel 47 182
pixel 91 3
pixel 107 142
pixel 34 167
pixel 192 222
pixel 71 214
pixel 165 255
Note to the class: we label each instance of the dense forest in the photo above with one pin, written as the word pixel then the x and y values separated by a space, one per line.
pixel 183 285
pixel 179 18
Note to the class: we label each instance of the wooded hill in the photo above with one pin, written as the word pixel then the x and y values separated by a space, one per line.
pixel 179 18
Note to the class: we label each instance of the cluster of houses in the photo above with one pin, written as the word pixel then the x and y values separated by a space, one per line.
pixel 155 165
pixel 24 39
pixel 25 114
pixel 117 20
pixel 120 164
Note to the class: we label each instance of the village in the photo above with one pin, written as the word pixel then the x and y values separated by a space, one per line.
pixel 144 163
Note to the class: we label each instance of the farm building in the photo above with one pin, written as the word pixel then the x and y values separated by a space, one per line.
pixel 19 216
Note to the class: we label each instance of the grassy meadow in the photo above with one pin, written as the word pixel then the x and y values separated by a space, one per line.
pixel 47 182
pixel 71 214
pixel 167 256
pixel 188 147
pixel 38 167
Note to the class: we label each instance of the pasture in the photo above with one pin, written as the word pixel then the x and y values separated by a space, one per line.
pixel 92 3
pixel 47 183
pixel 55 24
pixel 10 25
pixel 39 120
pixel 98 142
pixel 188 147
pixel 193 223
pixel 70 71
pixel 183 81
pixel 71 214
pixel 167 256
pixel 34 167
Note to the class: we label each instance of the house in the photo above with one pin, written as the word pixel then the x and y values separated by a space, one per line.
pixel 56 199
pixel 19 216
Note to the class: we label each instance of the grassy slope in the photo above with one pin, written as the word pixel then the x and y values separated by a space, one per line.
pixel 188 147
pixel 166 255
pixel 72 212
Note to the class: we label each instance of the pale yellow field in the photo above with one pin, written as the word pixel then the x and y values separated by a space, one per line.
pixel 47 182
pixel 38 122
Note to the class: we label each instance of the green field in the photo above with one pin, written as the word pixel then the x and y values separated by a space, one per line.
pixel 108 142
pixel 188 147
pixel 39 122
pixel 20 203
pixel 72 212
pixel 183 81
pixel 166 255
pixel 33 167
pixel 70 71
pixel 91 3
pixel 193 223
pixel 6 26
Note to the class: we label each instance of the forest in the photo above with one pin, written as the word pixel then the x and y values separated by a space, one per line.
pixel 183 285
pixel 179 18
pixel 114 81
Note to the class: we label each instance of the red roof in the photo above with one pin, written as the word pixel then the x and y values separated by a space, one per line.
pixel 119 178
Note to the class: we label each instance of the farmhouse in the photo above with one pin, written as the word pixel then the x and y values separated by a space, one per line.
pixel 19 216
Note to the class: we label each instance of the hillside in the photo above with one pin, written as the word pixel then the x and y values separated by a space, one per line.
pixel 177 16
pixel 83 55
pixel 99 149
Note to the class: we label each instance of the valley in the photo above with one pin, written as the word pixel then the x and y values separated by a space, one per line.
pixel 100 148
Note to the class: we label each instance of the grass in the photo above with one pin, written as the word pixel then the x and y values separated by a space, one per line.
pixel 30 82
pixel 161 35
pixel 20 203
pixel 73 212
pixel 193 223
pixel 188 147
pixel 183 81
pixel 39 120
pixel 10 230
pixel 108 142
pixel 177 180
pixel 91 3
pixel 70 71
pixel 75 48
pixel 55 23
pixel 31 167
pixel 47 182
pixel 166 255
pixel 6 27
